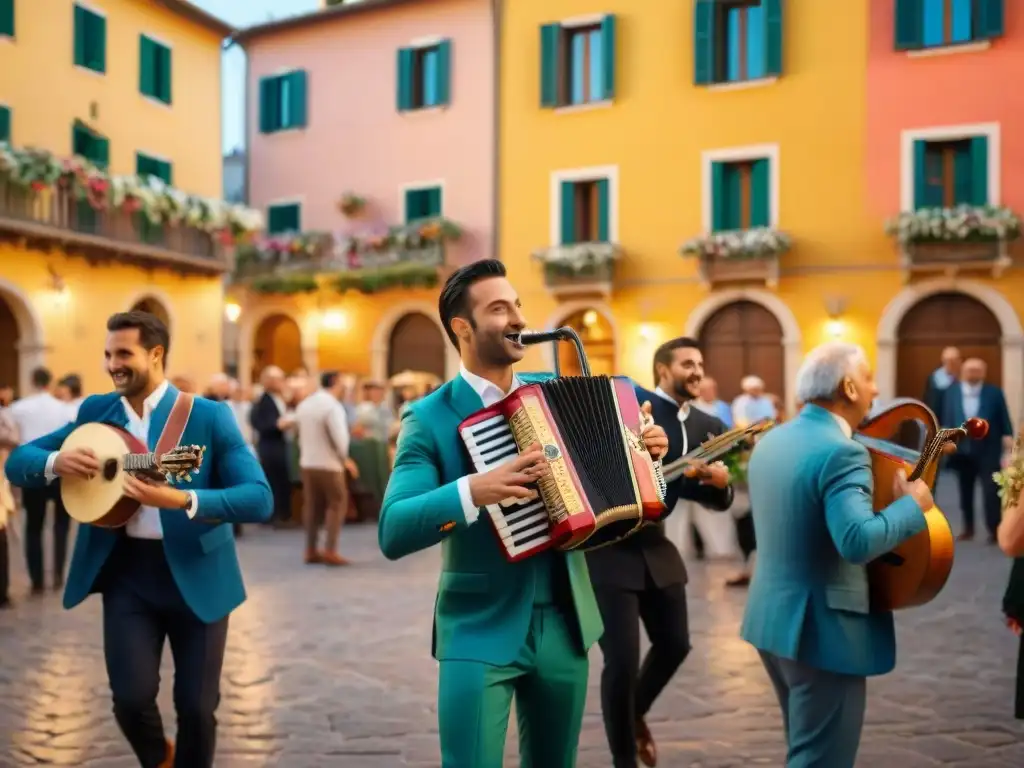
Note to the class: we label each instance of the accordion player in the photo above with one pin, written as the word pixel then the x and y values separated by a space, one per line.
pixel 603 484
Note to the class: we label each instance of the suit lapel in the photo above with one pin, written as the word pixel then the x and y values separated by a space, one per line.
pixel 463 399
pixel 158 417
pixel 115 413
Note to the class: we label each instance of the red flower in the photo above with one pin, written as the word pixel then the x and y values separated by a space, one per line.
pixel 38 186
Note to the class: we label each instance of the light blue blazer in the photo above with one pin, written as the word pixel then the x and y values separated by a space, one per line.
pixel 230 488
pixel 810 492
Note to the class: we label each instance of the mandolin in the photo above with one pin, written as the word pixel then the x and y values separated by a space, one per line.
pixel 916 571
pixel 714 448
pixel 99 500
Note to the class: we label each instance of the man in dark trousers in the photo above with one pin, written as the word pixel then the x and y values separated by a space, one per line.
pixel 643 577
pixel 270 418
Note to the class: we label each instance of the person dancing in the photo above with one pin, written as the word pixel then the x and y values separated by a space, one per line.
pixel 643 578
pixel 172 572
pixel 501 629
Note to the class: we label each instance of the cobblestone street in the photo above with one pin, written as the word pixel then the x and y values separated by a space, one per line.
pixel 332 668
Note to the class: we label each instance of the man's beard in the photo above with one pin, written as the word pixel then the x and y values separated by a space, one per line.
pixel 491 349
pixel 679 388
pixel 136 383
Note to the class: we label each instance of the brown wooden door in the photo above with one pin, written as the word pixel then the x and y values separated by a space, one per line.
pixel 278 342
pixel 417 344
pixel 9 337
pixel 940 321
pixel 743 339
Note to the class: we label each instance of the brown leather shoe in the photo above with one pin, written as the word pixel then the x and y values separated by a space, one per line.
pixel 645 747
pixel 169 759
pixel 332 558
pixel 313 557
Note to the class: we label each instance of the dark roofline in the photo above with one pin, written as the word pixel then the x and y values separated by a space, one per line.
pixel 198 16
pixel 248 34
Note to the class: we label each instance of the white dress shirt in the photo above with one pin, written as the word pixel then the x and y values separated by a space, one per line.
pixel 144 524
pixel 323 432
pixel 490 393
pixel 972 399
pixel 39 414
pixel 843 425
pixel 683 415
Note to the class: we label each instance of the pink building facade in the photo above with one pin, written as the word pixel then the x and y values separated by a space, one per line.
pixel 391 101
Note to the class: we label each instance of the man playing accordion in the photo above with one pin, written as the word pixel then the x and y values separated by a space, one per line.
pixel 501 629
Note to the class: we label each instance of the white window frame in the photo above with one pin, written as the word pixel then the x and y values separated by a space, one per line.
pixel 592 173
pixel 769 152
pixel 990 131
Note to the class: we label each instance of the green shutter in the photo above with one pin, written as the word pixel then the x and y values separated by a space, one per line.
pixel 773 36
pixel 165 71
pixel 297 99
pixel 718 197
pixel 760 193
pixel 732 199
pixel 909 24
pixel 147 66
pixel 990 18
pixel 80 24
pixel 603 210
pixel 550 55
pixel 405 62
pixel 444 72
pixel 436 203
pixel 608 57
pixel 97 42
pixel 979 171
pixel 920 174
pixel 284 218
pixel 100 151
pixel 704 42
pixel 412 205
pixel 5 124
pixel 963 172
pixel 7 17
pixel 166 171
pixel 568 213
pixel 268 104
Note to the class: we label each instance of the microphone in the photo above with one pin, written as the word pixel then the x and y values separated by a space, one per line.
pixel 540 337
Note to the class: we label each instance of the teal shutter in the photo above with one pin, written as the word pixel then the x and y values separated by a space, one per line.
pixel 5 124
pixel 297 99
pixel 920 174
pixel 603 210
pixel 97 45
pixel 166 171
pixel 80 22
pixel 732 211
pixel 773 36
pixel 444 72
pixel 979 171
pixel 7 17
pixel 568 213
pixel 719 202
pixel 608 57
pixel 164 74
pixel 909 24
pixel 412 207
pixel 404 84
pixel 100 151
pixel 990 18
pixel 760 193
pixel 963 171
pixel 147 66
pixel 550 55
pixel 704 42
pixel 436 202
pixel 268 104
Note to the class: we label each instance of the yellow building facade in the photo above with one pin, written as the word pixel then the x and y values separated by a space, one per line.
pixel 136 85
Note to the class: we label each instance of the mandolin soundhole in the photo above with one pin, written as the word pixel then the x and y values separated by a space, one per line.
pixel 109 469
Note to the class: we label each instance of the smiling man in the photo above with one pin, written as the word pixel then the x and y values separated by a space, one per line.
pixel 172 572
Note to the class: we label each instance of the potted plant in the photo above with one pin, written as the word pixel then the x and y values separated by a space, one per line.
pixel 586 262
pixel 351 204
pixel 961 233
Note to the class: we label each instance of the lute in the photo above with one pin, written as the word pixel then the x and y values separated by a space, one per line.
pixel 714 448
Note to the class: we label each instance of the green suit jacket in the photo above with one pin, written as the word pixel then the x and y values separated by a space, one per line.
pixel 484 603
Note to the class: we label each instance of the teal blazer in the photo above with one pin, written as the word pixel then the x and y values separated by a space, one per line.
pixel 810 492
pixel 484 603
pixel 230 488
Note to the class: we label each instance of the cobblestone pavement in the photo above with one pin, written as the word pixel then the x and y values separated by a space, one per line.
pixel 332 668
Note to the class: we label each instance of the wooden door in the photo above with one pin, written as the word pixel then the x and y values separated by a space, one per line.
pixel 155 308
pixel 417 345
pixel 940 321
pixel 598 342
pixel 9 338
pixel 743 339
pixel 278 342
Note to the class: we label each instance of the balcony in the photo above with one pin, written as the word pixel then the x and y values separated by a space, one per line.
pixel 580 269
pixel 71 204
pixel 741 256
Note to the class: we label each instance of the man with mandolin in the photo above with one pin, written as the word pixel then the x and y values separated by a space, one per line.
pixel 163 558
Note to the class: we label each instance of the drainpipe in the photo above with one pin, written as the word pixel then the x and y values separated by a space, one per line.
pixel 497 11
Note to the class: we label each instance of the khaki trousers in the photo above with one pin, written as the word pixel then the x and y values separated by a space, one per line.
pixel 325 501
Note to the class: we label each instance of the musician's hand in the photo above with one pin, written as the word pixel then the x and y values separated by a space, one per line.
pixel 949 448
pixel 918 489
pixel 510 479
pixel 76 462
pixel 1014 626
pixel 153 493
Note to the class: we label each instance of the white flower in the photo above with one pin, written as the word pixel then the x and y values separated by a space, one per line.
pixel 578 256
pixel 964 222
pixel 758 242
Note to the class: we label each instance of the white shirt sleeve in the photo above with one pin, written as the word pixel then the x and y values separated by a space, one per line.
pixel 191 511
pixel 48 471
pixel 470 510
pixel 337 426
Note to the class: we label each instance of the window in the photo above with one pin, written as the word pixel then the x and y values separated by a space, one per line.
pixel 90 40
pixel 284 217
pixel 145 165
pixel 737 40
pixel 86 143
pixel 951 173
pixel 577 63
pixel 423 203
pixel 5 124
pixel 283 102
pixel 154 69
pixel 584 211
pixel 424 76
pixel 939 23
pixel 6 18
pixel 740 195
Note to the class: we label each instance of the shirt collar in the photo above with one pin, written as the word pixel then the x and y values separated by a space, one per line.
pixel 481 385
pixel 684 409
pixel 150 402
pixel 843 424
pixel 971 390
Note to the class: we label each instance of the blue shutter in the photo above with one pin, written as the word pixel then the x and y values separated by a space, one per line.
pixel 979 171
pixel 920 174
pixel 760 193
pixel 718 197
pixel 444 72
pixel 568 212
pixel 990 18
pixel 608 57
pixel 773 37
pixel 704 42
pixel 404 84
pixel 603 210
pixel 550 56
pixel 297 99
pixel 909 24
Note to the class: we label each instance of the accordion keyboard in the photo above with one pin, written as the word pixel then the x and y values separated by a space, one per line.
pixel 522 524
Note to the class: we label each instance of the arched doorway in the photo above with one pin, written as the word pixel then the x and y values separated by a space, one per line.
pixel 154 307
pixel 740 339
pixel 598 337
pixel 416 344
pixel 277 341
pixel 10 341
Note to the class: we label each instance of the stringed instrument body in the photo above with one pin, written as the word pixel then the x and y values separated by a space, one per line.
pixel 916 571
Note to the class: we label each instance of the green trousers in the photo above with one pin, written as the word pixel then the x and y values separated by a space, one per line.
pixel 549 681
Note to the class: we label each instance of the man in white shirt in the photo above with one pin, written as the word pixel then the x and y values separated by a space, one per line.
pixel 323 448
pixel 36 415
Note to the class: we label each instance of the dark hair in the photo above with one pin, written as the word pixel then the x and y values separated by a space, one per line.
pixel 41 377
pixel 454 299
pixel 663 354
pixel 329 378
pixel 74 384
pixel 152 331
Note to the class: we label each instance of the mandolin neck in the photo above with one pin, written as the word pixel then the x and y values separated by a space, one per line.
pixel 140 462
pixel 932 453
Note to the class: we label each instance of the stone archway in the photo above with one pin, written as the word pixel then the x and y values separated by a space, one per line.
pixel 277 340
pixel 743 339
pixel 22 348
pixel 594 324
pixel 158 306
pixel 416 344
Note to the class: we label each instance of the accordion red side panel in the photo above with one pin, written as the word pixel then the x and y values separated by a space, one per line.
pixel 643 466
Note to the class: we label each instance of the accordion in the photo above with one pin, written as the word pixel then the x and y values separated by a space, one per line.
pixel 603 484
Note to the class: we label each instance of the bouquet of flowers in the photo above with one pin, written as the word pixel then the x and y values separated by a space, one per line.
pixel 1011 478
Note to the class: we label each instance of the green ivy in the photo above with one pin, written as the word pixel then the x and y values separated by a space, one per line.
pixel 408 275
pixel 284 284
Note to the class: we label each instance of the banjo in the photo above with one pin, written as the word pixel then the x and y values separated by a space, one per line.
pixel 100 500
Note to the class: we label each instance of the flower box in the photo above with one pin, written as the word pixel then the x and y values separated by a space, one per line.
pixel 738 256
pixel 953 239
pixel 579 268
